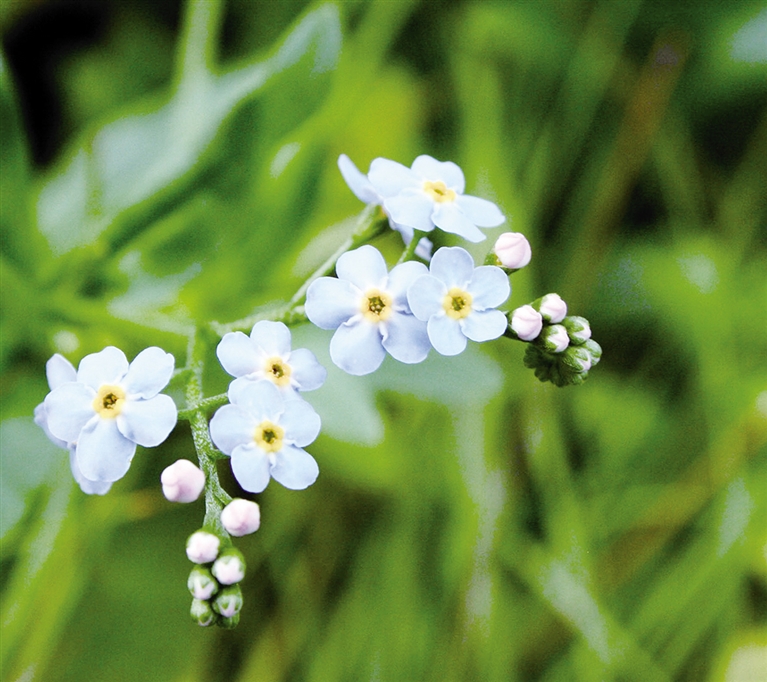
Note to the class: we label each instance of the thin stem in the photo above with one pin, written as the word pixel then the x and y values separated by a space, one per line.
pixel 409 252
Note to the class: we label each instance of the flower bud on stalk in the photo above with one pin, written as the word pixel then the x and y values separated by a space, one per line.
pixel 578 329
pixel 551 307
pixel 554 338
pixel 229 568
pixel 577 359
pixel 202 613
pixel 241 517
pixel 182 481
pixel 228 601
pixel 201 583
pixel 511 252
pixel 595 350
pixel 202 547
pixel 526 323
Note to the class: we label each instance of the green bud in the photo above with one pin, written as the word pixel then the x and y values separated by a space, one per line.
pixel 201 612
pixel 201 583
pixel 578 329
pixel 595 350
pixel 229 623
pixel 553 338
pixel 576 359
pixel 228 601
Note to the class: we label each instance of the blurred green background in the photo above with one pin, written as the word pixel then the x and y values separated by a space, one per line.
pixel 165 163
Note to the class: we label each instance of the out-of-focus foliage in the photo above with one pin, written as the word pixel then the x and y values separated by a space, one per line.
pixel 164 164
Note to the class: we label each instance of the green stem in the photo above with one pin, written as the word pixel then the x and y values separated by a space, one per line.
pixel 409 252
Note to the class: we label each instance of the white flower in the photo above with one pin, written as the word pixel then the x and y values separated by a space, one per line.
pixel 264 435
pixel 513 250
pixel 202 547
pixel 266 354
pixel 229 568
pixel 363 189
pixel 526 322
pixel 182 481
pixel 430 194
pixel 457 300
pixel 241 517
pixel 369 310
pixel 60 371
pixel 551 307
pixel 111 407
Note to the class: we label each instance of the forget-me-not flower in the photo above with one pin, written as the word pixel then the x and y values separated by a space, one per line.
pixel 264 434
pixel 458 300
pixel 109 407
pixel 368 308
pixel 266 354
pixel 430 194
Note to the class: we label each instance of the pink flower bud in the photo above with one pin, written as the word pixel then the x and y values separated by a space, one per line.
pixel 553 308
pixel 202 547
pixel 229 568
pixel 526 322
pixel 241 517
pixel 513 250
pixel 555 339
pixel 182 481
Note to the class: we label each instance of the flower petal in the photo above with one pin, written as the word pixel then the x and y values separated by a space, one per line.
pixel 59 371
pixel 413 210
pixel 148 422
pixel 480 211
pixel 272 337
pixel 390 178
pixel 250 466
pixel 300 421
pixel 425 296
pixel 103 453
pixel 401 278
pixel 87 486
pixel 449 218
pixel 260 399
pixel 489 287
pixel 294 468
pixel 429 168
pixel 41 419
pixel 231 427
pixel 356 348
pixel 364 267
pixel 237 354
pixel 330 302
pixel 149 372
pixel 453 266
pixel 69 407
pixel 406 338
pixel 484 325
pixel 105 367
pixel 307 373
pixel 357 181
pixel 445 335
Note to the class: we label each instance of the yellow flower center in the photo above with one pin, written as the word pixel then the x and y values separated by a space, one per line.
pixel 376 305
pixel 457 303
pixel 269 436
pixel 438 191
pixel 109 401
pixel 277 370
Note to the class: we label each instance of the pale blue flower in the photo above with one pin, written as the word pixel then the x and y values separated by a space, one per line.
pixel 264 434
pixel 368 308
pixel 430 194
pixel 266 354
pixel 457 300
pixel 109 407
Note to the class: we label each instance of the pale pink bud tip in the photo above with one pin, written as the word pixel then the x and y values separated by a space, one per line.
pixel 526 322
pixel 202 547
pixel 513 250
pixel 182 481
pixel 553 308
pixel 241 517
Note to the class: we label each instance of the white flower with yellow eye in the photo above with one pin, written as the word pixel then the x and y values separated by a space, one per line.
pixel 111 406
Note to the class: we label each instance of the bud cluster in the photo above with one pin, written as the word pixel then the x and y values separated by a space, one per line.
pixel 560 348
pixel 213 582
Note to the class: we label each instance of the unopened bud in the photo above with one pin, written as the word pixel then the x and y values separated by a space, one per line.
pixel 229 623
pixel 229 568
pixel 578 329
pixel 228 601
pixel 554 338
pixel 202 547
pixel 595 350
pixel 512 250
pixel 577 359
pixel 526 322
pixel 551 307
pixel 241 517
pixel 201 583
pixel 201 612
pixel 182 481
